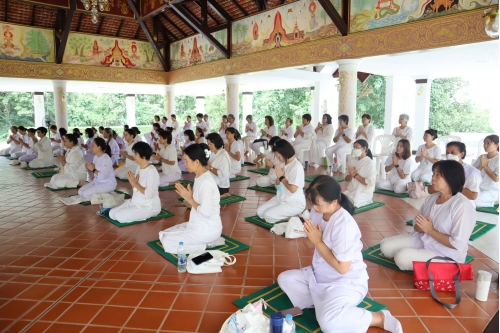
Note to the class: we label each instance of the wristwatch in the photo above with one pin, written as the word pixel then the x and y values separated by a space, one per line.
pixel 396 166
pixel 281 178
pixel 343 134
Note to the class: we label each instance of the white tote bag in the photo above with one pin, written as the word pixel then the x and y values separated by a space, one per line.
pixel 250 319
pixel 294 228
pixel 213 265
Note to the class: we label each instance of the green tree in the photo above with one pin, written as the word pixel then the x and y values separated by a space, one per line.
pixel 185 106
pixel 16 108
pixel 37 42
pixel 371 99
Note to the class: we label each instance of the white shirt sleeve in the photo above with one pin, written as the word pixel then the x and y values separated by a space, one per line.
pixel 370 132
pixel 235 148
pixel 407 166
pixel 409 133
pixel 272 131
pixel 350 133
pixel 463 218
pixel 388 161
pixel 152 183
pixel 436 153
pixel 473 182
pixel 295 176
pixel 205 208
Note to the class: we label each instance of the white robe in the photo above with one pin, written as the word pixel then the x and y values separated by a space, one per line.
pixel 142 205
pixel 169 173
pixel 44 151
pixel 222 162
pixel 423 172
pixel 473 180
pixel 304 141
pixel 24 150
pixel 222 131
pixel 370 134
pixel 286 204
pixel 204 226
pixel 182 162
pixel 115 150
pixel 250 134
pixel 407 131
pixel 235 164
pixel 340 148
pixel 89 156
pixel 30 153
pixel 395 182
pixel 56 145
pixel 322 140
pixel 361 194
pixel 73 171
pixel 130 165
pixel 489 188
pixel 270 178
pixel 255 146
pixel 288 136
pixel 103 182
pixel 335 296
pixel 13 147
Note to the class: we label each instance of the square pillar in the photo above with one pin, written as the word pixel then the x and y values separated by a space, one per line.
pixel 169 102
pixel 232 98
pixel 39 106
pixel 247 104
pixel 422 105
pixel 200 104
pixel 60 104
pixel 400 98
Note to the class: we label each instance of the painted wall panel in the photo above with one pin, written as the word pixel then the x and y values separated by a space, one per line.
pixel 26 43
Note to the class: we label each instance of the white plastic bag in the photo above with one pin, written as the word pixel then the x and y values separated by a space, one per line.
pixel 279 228
pixel 294 228
pixel 213 265
pixel 250 319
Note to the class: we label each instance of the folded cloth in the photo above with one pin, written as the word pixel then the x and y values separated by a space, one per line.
pixel 73 200
pixel 108 200
pixel 279 229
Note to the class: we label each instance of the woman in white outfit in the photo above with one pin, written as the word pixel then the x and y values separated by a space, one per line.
pixel 304 135
pixel 200 136
pixel 337 281
pixel 271 161
pixel 250 133
pixel 43 149
pixel 324 135
pixel 207 124
pixel 287 132
pixel 78 134
pixel 164 123
pixel 204 228
pixel 266 134
pixel 289 200
pixel 366 130
pixel 233 149
pixel 27 153
pixel 130 164
pixel 343 138
pixel 188 125
pixel 13 141
pixel 55 140
pixel 61 150
pixel 23 137
pixel 488 165
pixel 443 225
pixel 398 164
pixel 113 145
pixel 102 167
pixel 89 156
pixel 201 124
pixel 121 143
pixel 427 154
pixel 189 139
pixel 170 171
pixel 73 171
pixel 175 127
pixel 362 175
pixel 403 131
pixel 219 164
pixel 145 202
pixel 222 128
pixel 456 151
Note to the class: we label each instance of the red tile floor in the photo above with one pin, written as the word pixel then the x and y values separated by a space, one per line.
pixel 64 269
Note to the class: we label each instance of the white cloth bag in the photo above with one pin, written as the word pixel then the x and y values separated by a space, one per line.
pixel 250 319
pixel 213 265
pixel 293 228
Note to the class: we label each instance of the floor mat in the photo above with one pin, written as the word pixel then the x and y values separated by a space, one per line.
pixel 391 193
pixel 231 246
pixel 267 189
pixel 163 214
pixel 479 229
pixel 44 174
pixel 373 205
pixel 172 187
pixel 489 210
pixel 277 300
pixel 310 178
pixel 238 178
pixel 61 188
pixel 262 171
pixel 47 167
pixel 257 220
pixel 227 200
pixel 87 203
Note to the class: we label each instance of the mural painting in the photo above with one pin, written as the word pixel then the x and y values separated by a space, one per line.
pixel 118 8
pixel 149 7
pixel 196 50
pixel 298 22
pixel 372 14
pixel 26 43
pixel 94 50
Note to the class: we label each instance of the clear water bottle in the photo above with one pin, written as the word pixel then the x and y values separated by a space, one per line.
pixel 290 322
pixel 181 258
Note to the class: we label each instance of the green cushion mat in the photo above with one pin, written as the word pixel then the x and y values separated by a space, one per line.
pixel 262 171
pixel 87 203
pixel 374 254
pixel 490 210
pixel 231 246
pixel 277 300
pixel 47 167
pixel 267 189
pixel 238 178
pixel 227 200
pixel 310 178
pixel 172 187
pixel 185 172
pixel 479 229
pixel 61 188
pixel 163 214
pixel 12 158
pixel 44 174
pixel 257 220
pixel 391 193
pixel 6 155
pixel 373 205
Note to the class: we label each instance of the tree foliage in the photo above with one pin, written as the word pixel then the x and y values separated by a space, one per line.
pixel 371 100
pixel 15 109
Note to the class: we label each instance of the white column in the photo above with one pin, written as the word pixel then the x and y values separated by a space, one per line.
pixel 169 102
pixel 400 98
pixel 60 104
pixel 39 105
pixel 232 97
pixel 315 103
pixel 422 105
pixel 130 105
pixel 348 79
pixel 200 104
pixel 247 104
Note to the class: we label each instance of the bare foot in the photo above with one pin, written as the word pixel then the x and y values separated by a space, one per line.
pixel 225 195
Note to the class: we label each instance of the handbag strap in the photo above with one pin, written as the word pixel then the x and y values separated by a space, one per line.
pixel 458 297
pixel 229 260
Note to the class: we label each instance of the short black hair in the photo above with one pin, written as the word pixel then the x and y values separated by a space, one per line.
pixel 284 148
pixel 344 118
pixel 249 117
pixel 291 120
pixel 143 149
pixel 230 116
pixel 89 132
pixel 432 132
pixel 101 128
pixel 131 132
pixel 328 118
pixel 164 117
pixel 205 115
pixel 156 116
pixel 157 126
pixel 270 119
pixel 166 135
pixel 327 188
pixel 453 173
pixel 136 130
pixel 307 117
pixel 216 139
pixel 72 138
pixel 31 130
pixel 199 115
pixel 200 132
pixel 21 128
pixel 52 127
pixel 232 130
pixel 62 131
pixel 126 127
pixel 42 129
pixel 198 152
pixel 273 140
pixel 224 116
pixel 190 134
pixel 367 116
pixel 460 145
pixel 172 116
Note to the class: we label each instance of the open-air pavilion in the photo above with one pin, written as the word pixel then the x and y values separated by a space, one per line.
pixel 65 269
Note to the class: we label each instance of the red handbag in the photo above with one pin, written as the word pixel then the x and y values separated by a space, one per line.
pixel 441 276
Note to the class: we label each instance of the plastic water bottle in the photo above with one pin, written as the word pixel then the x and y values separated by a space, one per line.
pixel 276 323
pixel 181 258
pixel 291 323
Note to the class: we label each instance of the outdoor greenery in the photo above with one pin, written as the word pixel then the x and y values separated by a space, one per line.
pixel 450 111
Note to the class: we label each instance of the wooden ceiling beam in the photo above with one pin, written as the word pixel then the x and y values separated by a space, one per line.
pixel 79 22
pixel 330 10
pixel 64 25
pixel 176 27
pixel 100 25
pixel 219 10
pixel 241 9
pixel 119 28
pixel 5 8
pixel 182 19
pixel 205 12
pixel 32 14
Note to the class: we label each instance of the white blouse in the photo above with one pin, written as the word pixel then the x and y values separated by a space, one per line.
pixel 235 164
pixel 288 136
pixel 349 132
pixel 488 184
pixel 221 161
pixel 308 131
pixel 370 132
pixel 272 131
pixel 252 129
pixel 325 134
pixel 404 165
pixel 131 164
pixel 294 174
pixel 206 218
pixel 434 152
pixel 74 160
pixel 150 180
pixel 104 166
pixel 407 131
pixel 169 153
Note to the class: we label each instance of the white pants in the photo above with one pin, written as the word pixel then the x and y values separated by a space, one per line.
pixel 28 158
pixel 165 180
pixel 122 171
pixel 486 199
pixel 399 248
pixel 359 198
pixel 272 211
pixel 171 237
pixel 298 146
pixel 9 151
pixel 398 187
pixel 263 181
pixel 86 191
pixel 255 146
pixel 335 303
pixel 36 163
pixel 128 212
pixel 17 154
pixel 339 151
pixel 68 179
pixel 317 151
pixel 422 175
pixel 247 140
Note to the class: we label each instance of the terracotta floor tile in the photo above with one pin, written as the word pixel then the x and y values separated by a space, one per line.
pixel 125 297
pixel 191 302
pixel 397 306
pixel 38 327
pixel 16 308
pixel 158 300
pixel 112 316
pixel 212 322
pixel 490 306
pixel 149 318
pixel 474 324
pixel 55 311
pixel 36 292
pixel 37 310
pixel 428 307
pixel 66 328
pixel 181 321
pixel 99 329
pixel 97 296
pixel 468 308
pixel 79 313
pixel 439 325
pixel 412 325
